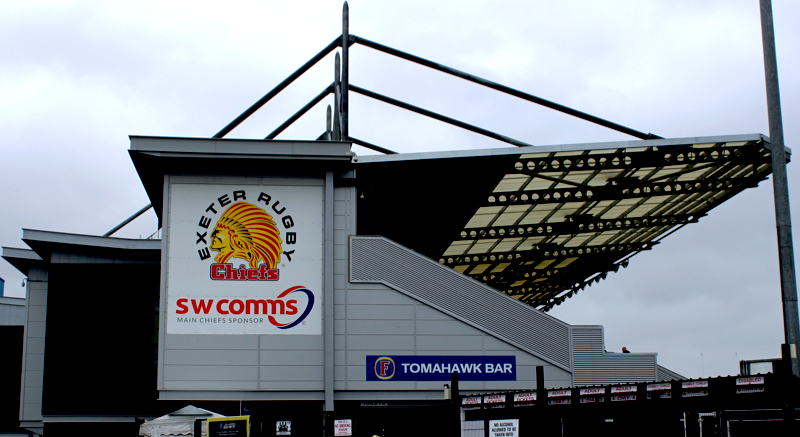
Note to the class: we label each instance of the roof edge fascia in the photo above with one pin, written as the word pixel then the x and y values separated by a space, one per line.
pixel 502 151
pixel 237 147
pixel 34 235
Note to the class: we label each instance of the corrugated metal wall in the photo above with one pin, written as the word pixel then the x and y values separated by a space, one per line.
pixel 664 374
pixel 592 365
pixel 377 259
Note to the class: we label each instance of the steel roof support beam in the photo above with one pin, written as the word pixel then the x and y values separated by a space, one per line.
pixel 281 86
pixel 612 192
pixel 673 155
pixel 573 273
pixel 502 88
pixel 498 279
pixel 128 220
pixel 571 228
pixel 436 116
pixel 371 146
pixel 557 253
pixel 300 113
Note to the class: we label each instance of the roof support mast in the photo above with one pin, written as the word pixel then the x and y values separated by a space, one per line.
pixel 783 217
pixel 345 70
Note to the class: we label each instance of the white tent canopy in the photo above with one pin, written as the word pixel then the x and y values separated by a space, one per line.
pixel 180 422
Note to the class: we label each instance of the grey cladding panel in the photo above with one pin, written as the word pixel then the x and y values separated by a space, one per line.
pixel 380 312
pixel 12 315
pixel 37 313
pixel 33 392
pixel 32 412
pixel 445 327
pixel 378 260
pixel 211 385
pixel 382 342
pixel 291 373
pixel 291 385
pixel 291 342
pixel 428 313
pixel 33 367
pixel 34 345
pixel 36 329
pixel 289 358
pixel 34 362
pixel 380 327
pixel 210 373
pixel 195 357
pixel 378 296
pixel 493 344
pixel 211 342
pixel 34 378
pixel 430 343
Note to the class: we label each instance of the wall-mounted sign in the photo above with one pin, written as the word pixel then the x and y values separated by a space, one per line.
pixel 244 259
pixel 235 426
pixel 593 391
pixel 743 390
pixel 694 384
pixel 624 389
pixel 494 399
pixel 750 380
pixel 283 427
pixel 524 397
pixel 565 401
pixel 661 386
pixel 343 428
pixel 504 428
pixel 439 367
pixel 471 400
pixel 559 393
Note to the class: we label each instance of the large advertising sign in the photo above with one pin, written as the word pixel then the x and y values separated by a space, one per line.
pixel 244 259
pixel 439 367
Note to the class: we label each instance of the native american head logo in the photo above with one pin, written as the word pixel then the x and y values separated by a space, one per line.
pixel 247 232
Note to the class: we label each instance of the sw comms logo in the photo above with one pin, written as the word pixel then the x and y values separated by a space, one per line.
pixel 384 368
pixel 247 232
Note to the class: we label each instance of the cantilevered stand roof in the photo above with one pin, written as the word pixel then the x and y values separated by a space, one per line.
pixel 540 223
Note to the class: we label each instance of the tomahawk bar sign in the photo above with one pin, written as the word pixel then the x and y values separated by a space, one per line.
pixel 440 367
pixel 244 259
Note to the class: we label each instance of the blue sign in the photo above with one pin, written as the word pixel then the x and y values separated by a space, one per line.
pixel 439 367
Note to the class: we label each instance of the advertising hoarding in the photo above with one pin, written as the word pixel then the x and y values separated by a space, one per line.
pixel 244 259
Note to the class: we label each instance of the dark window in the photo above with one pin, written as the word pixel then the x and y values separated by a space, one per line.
pixel 102 325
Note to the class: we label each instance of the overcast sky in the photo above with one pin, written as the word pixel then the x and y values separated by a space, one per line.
pixel 78 77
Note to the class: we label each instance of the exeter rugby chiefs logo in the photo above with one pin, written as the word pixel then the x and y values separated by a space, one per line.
pixel 246 232
pixel 247 235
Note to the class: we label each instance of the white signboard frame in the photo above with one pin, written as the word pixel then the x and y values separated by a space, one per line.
pixel 504 428
pixel 244 259
pixel 343 428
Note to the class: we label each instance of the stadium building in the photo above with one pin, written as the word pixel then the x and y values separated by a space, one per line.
pixel 296 281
